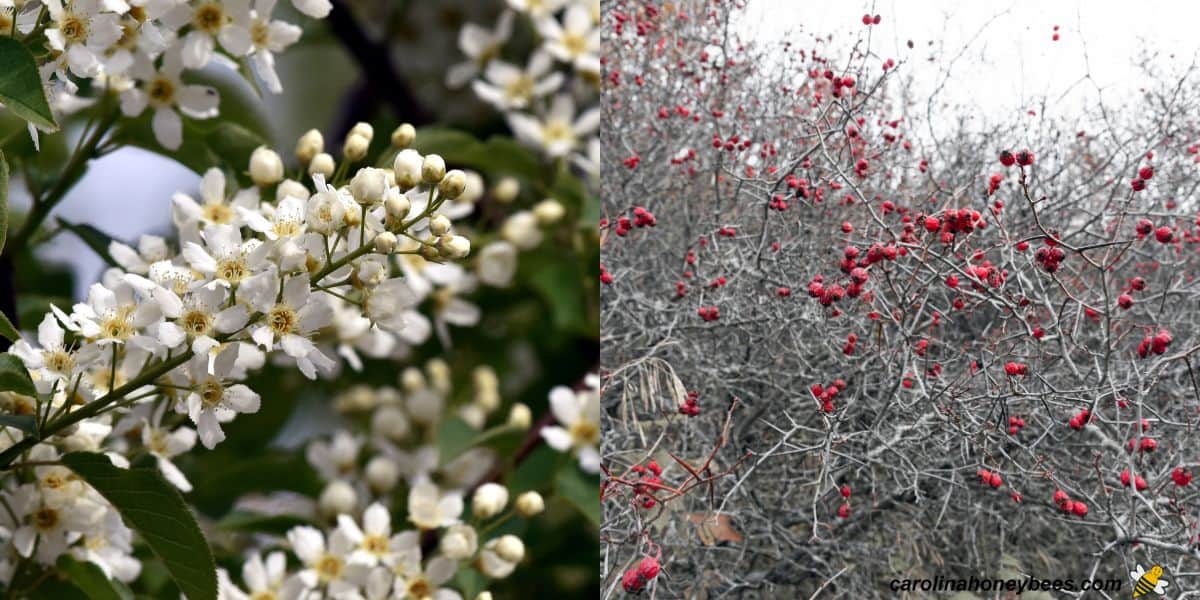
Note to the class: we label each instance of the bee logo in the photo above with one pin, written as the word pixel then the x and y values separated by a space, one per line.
pixel 1148 581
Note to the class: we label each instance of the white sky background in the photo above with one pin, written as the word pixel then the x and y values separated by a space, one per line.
pixel 1010 61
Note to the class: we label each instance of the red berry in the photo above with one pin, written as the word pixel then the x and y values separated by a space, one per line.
pixel 1125 301
pixel 1137 185
pixel 1025 158
pixel 995 480
pixel 1146 172
pixel 632 581
pixel 845 491
pixel 1080 509
pixel 1007 159
pixel 844 511
pixel 1163 234
pixel 648 568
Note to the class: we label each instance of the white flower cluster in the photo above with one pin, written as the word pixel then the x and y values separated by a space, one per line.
pixel 164 340
pixel 373 557
pixel 539 100
pixel 578 429
pixel 140 49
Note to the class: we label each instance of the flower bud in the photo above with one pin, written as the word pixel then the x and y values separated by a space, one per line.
pixel 412 380
pixel 530 504
pixel 397 205
pixel 454 246
pixel 385 242
pixel 521 229
pixel 510 548
pixel 519 416
pixel 549 211
pixel 484 595
pixel 430 252
pixel 489 500
pixel 459 542
pixel 291 187
pixel 506 190
pixel 453 184
pixel 391 422
pixel 266 168
pixel 425 406
pixel 473 415
pixel 336 499
pixel 310 144
pixel 439 225
pixel 323 164
pixel 433 169
pixel 363 129
pixel 407 169
pixel 355 147
pixel 474 189
pixel 369 186
pixel 403 136
pixel 382 474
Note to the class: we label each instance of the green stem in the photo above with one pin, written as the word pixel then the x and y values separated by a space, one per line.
pixel 71 175
pixel 92 408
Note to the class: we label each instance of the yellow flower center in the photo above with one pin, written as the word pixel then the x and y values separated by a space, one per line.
pixel 419 587
pixel 584 433
pixel 218 213
pixel 282 319
pixel 520 88
pixel 329 567
pixel 58 360
pixel 161 91
pixel 196 323
pixel 575 44
pixel 264 595
pixel 375 544
pixel 557 131
pixel 45 518
pixel 117 326
pixel 286 228
pixel 74 29
pixel 233 270
pixel 259 33
pixel 209 17
pixel 211 392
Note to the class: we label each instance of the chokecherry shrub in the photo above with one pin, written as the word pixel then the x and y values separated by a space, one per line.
pixel 992 342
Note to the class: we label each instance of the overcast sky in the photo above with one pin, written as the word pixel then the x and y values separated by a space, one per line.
pixel 1011 58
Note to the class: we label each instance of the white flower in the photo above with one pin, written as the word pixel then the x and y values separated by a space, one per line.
pixel 576 41
pixel 224 256
pixel 162 90
pixel 559 133
pixel 374 541
pixel 480 46
pixel 538 9
pixel 507 87
pixel 318 9
pixel 151 249
pixel 413 581
pixel 290 321
pixel 390 304
pixel 489 499
pixel 264 579
pixel 212 401
pixel 50 529
pixel 83 31
pixel 54 362
pixel 578 415
pixel 116 317
pixel 428 508
pixel 286 226
pixel 325 566
pixel 497 264
pixel 200 318
pixel 215 210
pixel 165 445
pixel 110 547
pixel 226 21
pixel 269 37
pixel 336 459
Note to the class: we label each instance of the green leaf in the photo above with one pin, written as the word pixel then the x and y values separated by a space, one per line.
pixel 581 490
pixel 470 582
pixel 155 510
pixel 534 473
pixel 559 279
pixel 25 423
pixel 500 155
pixel 7 329
pixel 205 145
pixel 3 202
pixel 21 88
pixel 454 436
pixel 91 580
pixel 97 240
pixel 14 377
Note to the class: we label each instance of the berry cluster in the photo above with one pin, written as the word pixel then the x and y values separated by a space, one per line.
pixel 1014 369
pixel 1015 424
pixel 1068 505
pixel 650 477
pixel 691 406
pixel 844 510
pixel 777 202
pixel 826 394
pixel 1157 343
pixel 641 218
pixel 1138 482
pixel 636 578
pixel 1023 158
pixel 709 313
pixel 991 478
pixel 1181 476
pixel 1049 256
pixel 1079 419
pixel 1144 174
